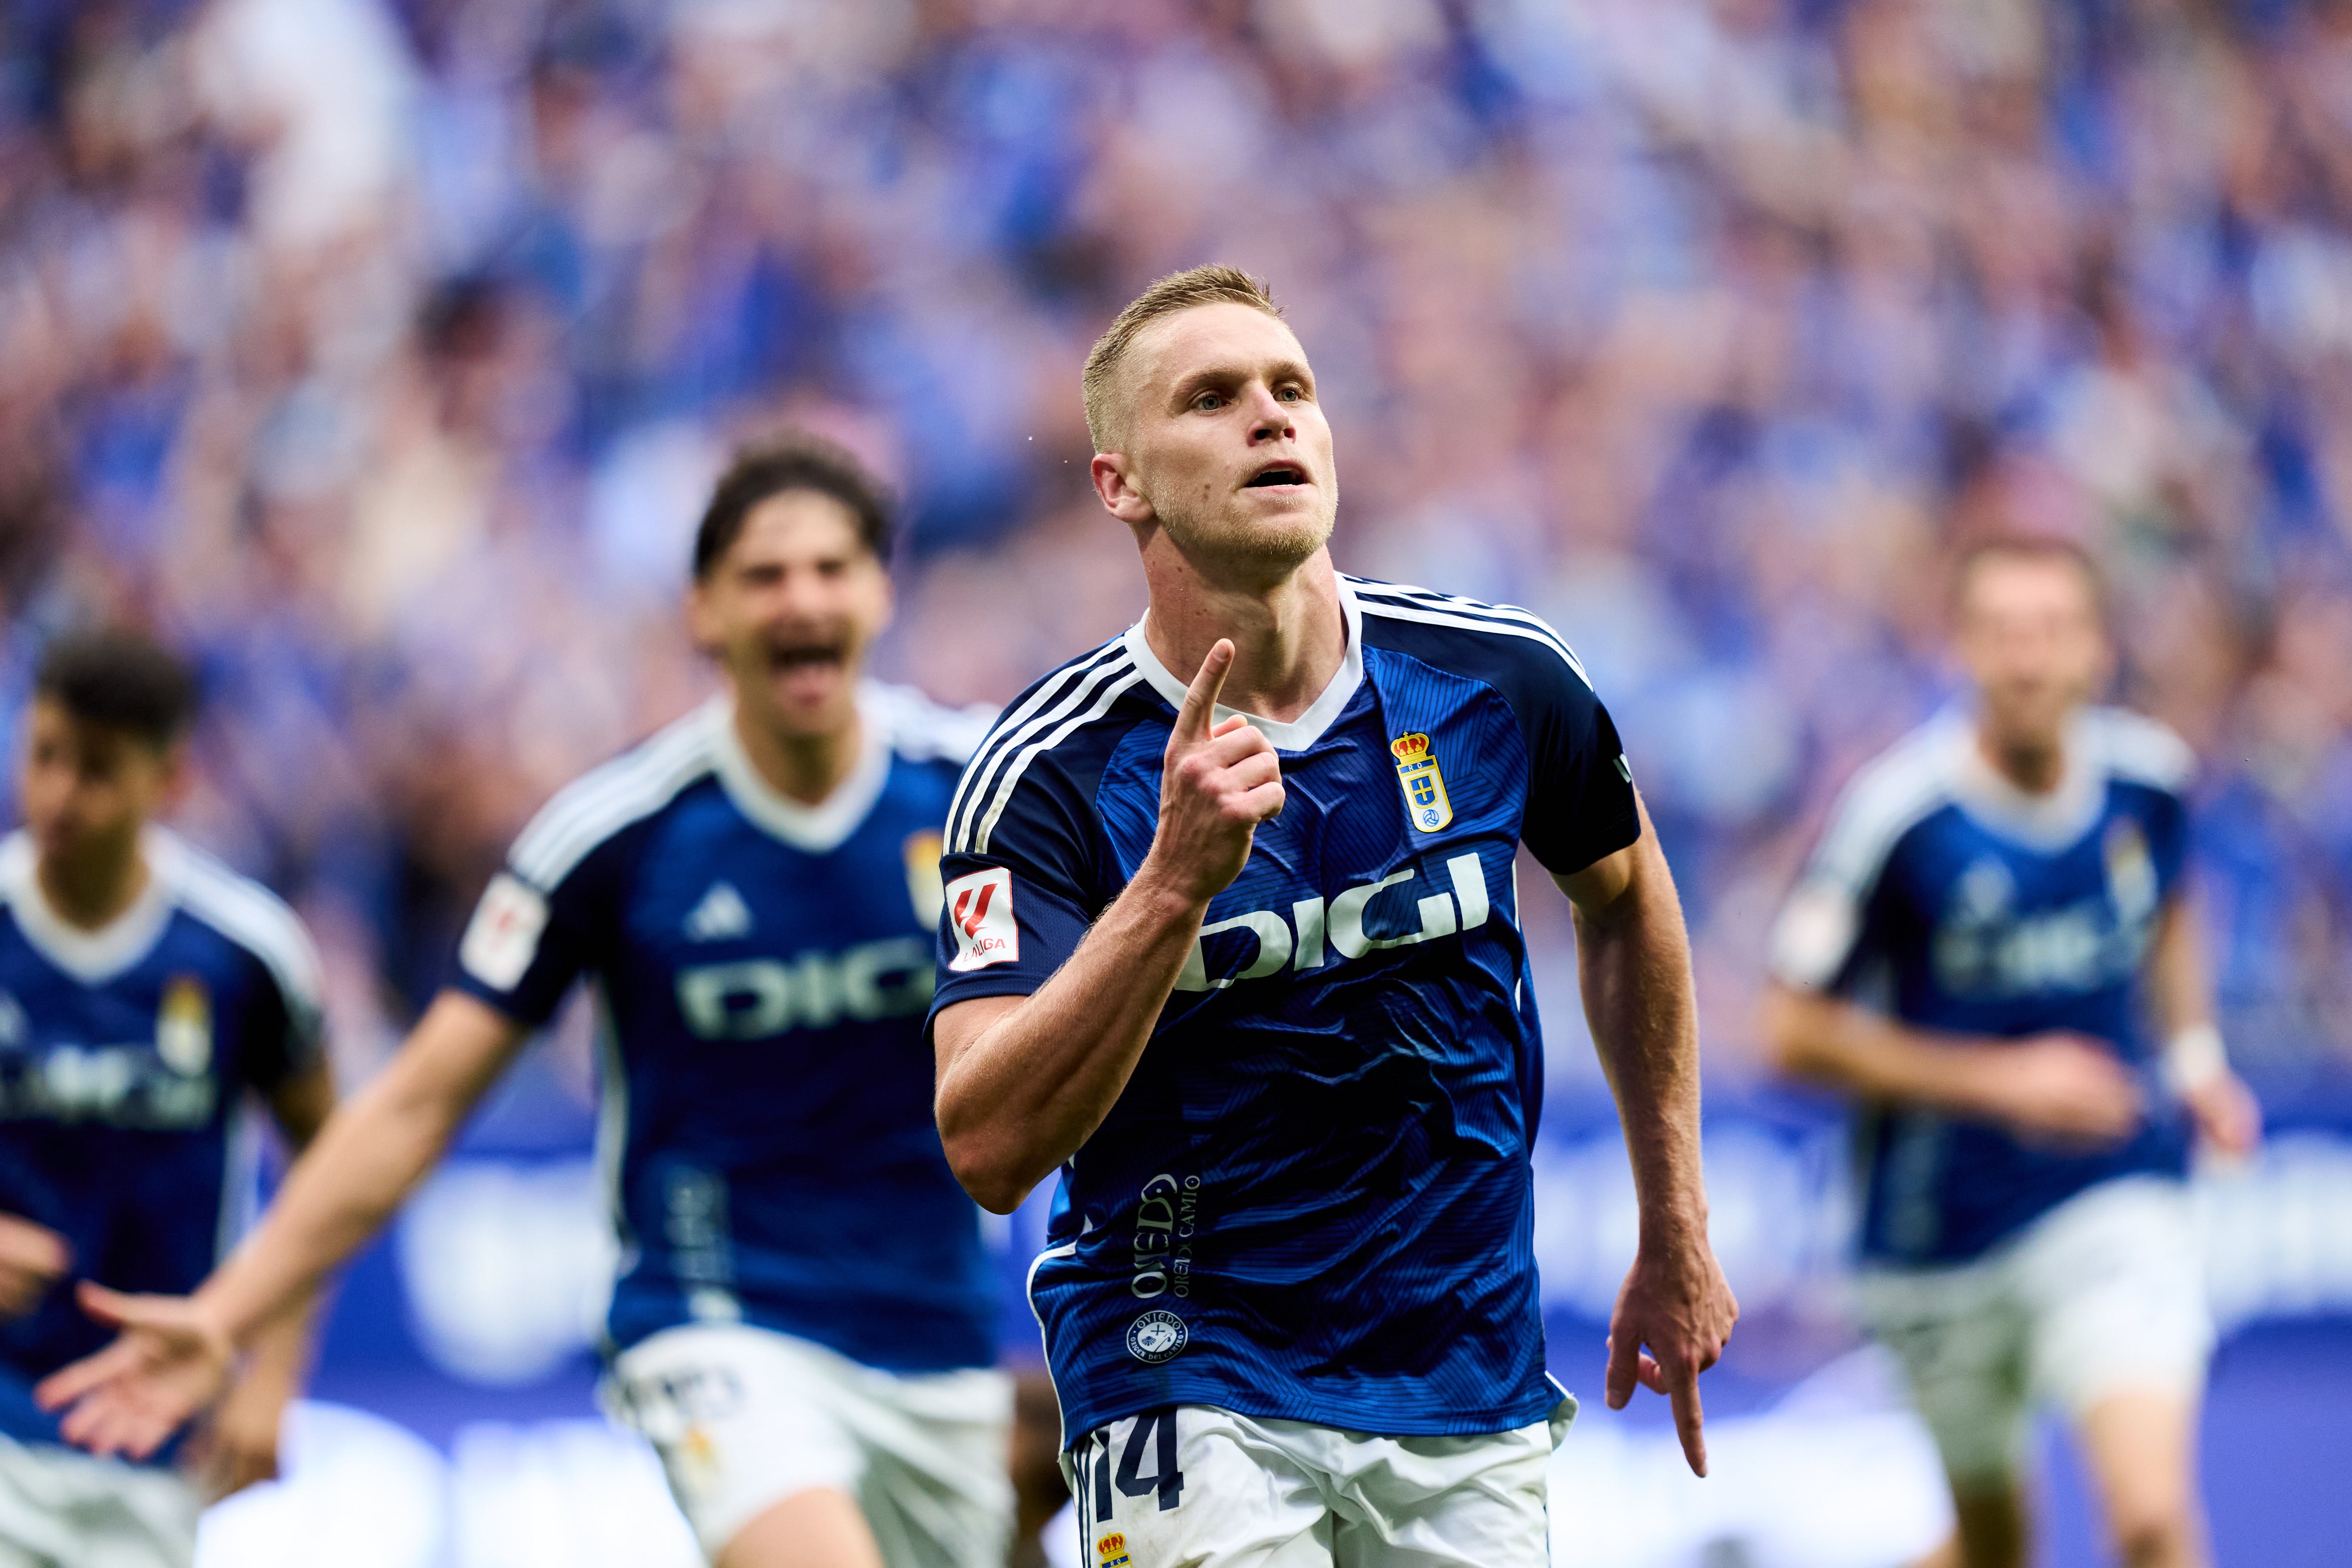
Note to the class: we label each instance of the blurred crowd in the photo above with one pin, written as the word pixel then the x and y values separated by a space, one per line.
pixel 380 352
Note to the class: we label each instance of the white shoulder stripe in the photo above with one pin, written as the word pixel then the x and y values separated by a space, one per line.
pixel 2145 750
pixel 925 730
pixel 1018 724
pixel 1116 679
pixel 1455 603
pixel 601 802
pixel 1888 797
pixel 1521 625
pixel 257 920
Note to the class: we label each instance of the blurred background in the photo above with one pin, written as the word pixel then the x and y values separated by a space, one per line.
pixel 380 352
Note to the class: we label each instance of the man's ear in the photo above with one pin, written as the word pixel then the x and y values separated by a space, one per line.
pixel 1116 487
pixel 178 772
pixel 701 619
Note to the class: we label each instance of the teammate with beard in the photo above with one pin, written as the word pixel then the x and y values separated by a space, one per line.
pixel 803 1320
pixel 1241 954
pixel 1996 905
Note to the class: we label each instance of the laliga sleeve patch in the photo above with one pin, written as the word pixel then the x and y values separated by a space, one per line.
pixel 980 912
pixel 503 936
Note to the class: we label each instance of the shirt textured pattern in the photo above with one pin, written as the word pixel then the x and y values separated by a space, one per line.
pixel 1312 1201
pixel 124 1055
pixel 1948 898
pixel 763 969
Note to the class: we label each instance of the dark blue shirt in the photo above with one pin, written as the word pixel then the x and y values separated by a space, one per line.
pixel 124 1055
pixel 763 970
pixel 1312 1201
pixel 1948 898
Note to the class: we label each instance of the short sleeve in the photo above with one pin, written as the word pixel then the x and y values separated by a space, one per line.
pixel 1817 941
pixel 526 944
pixel 284 1025
pixel 1580 805
pixel 1021 894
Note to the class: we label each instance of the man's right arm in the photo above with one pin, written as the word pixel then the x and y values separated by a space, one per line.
pixel 2054 1086
pixel 174 1353
pixel 1024 1080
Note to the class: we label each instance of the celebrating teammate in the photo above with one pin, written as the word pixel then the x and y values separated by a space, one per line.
pixel 1969 954
pixel 803 1323
pixel 143 989
pixel 1242 957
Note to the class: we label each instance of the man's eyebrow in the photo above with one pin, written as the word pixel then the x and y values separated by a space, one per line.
pixel 1209 375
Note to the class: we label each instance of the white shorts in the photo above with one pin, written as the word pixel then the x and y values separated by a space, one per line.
pixel 2103 1295
pixel 745 1417
pixel 1208 1489
pixel 60 1508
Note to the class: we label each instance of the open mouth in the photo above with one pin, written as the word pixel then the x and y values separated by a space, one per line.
pixel 1277 474
pixel 806 657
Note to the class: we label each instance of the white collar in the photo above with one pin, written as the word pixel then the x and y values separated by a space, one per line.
pixel 92 957
pixel 1298 734
pixel 2047 820
pixel 812 829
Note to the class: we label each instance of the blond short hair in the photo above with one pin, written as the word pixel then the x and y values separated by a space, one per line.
pixel 1211 285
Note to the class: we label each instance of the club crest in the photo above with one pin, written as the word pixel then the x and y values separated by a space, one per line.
pixel 183 1026
pixel 1425 805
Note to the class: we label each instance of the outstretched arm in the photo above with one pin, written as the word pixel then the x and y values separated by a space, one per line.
pixel 1633 960
pixel 174 1353
pixel 1024 1080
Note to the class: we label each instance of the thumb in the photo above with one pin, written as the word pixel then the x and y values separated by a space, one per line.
pixel 1201 697
pixel 113 1307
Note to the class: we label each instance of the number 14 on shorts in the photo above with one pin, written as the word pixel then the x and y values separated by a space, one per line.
pixel 1140 1462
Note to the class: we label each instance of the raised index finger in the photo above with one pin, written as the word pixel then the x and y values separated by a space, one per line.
pixel 1689 1421
pixel 1201 697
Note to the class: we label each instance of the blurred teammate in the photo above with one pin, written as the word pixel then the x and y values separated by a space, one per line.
pixel 143 989
pixel 1995 904
pixel 1255 980
pixel 804 1323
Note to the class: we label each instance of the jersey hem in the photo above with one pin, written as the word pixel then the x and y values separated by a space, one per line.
pixel 1337 1416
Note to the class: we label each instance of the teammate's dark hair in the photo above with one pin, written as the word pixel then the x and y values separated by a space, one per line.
pixel 119 680
pixel 2044 547
pixel 799 461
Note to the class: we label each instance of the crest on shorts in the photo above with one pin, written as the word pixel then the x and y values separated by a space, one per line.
pixel 1424 787
pixel 183 1026
pixel 1112 1550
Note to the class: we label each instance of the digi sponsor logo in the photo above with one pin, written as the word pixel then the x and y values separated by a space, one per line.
pixel 1344 924
pixel 1156 1336
pixel 980 914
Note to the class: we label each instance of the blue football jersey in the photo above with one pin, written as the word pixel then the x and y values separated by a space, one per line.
pixel 1313 1199
pixel 1951 899
pixel 763 968
pixel 124 1055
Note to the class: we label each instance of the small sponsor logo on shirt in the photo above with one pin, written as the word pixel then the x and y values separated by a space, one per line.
pixel 980 913
pixel 183 1026
pixel 503 936
pixel 1112 1550
pixel 1156 1336
pixel 1425 805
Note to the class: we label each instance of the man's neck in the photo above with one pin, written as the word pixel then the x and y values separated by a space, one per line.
pixel 92 890
pixel 804 768
pixel 1289 638
pixel 2034 766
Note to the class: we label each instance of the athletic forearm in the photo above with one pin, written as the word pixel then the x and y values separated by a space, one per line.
pixel 1633 964
pixel 1835 1042
pixel 1020 1095
pixel 372 1151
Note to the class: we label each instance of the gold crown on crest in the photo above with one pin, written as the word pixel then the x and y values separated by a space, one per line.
pixel 1410 748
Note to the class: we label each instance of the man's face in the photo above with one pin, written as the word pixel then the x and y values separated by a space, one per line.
pixel 2030 637
pixel 1224 442
pixel 85 785
pixel 790 611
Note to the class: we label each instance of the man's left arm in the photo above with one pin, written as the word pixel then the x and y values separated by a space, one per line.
pixel 238 1444
pixel 2195 1066
pixel 1675 1311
